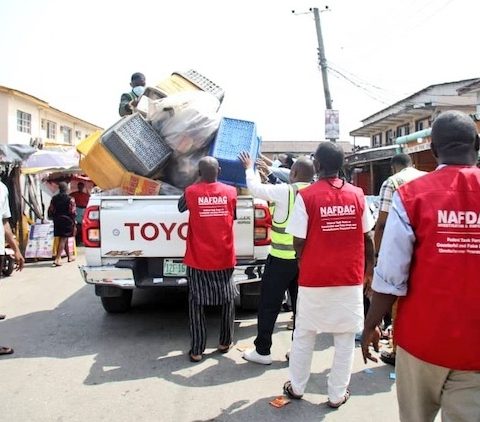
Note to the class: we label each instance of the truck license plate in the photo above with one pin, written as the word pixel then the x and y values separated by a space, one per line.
pixel 173 268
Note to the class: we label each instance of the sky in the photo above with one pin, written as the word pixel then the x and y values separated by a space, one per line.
pixel 79 55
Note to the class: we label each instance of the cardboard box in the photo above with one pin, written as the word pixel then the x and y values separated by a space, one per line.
pixel 133 184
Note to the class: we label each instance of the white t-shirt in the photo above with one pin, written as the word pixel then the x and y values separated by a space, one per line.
pixel 336 309
pixel 5 213
pixel 298 224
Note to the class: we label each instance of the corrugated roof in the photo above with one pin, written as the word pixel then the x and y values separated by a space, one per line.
pixel 466 81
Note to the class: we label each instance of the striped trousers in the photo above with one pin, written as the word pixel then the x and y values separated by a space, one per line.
pixel 210 288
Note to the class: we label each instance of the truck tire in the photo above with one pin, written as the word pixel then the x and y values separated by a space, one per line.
pixel 118 304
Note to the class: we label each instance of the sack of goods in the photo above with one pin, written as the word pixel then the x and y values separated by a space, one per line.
pixel 156 150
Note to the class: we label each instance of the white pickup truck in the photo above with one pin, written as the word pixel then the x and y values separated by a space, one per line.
pixel 138 242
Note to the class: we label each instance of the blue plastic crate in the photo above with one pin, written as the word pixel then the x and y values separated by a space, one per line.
pixel 233 137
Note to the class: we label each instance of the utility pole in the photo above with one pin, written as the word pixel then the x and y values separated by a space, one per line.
pixel 323 60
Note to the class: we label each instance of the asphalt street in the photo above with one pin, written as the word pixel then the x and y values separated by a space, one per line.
pixel 74 362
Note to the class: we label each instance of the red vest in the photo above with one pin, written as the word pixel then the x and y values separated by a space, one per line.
pixel 439 319
pixel 333 254
pixel 210 226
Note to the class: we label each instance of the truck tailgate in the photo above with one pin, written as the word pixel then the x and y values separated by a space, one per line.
pixel 153 227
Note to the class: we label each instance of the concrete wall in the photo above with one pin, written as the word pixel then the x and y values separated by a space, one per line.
pixel 3 118
pixel 61 120
pixel 15 136
pixel 11 102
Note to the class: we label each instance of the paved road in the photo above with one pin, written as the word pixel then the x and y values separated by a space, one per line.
pixel 74 362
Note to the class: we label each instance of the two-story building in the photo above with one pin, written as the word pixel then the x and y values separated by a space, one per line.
pixel 406 124
pixel 272 149
pixel 25 119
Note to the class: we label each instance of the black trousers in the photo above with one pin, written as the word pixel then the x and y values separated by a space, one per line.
pixel 280 275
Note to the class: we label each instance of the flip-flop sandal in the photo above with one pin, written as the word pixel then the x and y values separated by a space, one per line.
pixel 56 265
pixel 6 351
pixel 288 390
pixel 224 349
pixel 340 403
pixel 194 358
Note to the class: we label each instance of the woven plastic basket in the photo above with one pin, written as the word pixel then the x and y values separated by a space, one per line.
pixel 137 145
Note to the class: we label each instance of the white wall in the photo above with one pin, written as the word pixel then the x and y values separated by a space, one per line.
pixel 3 118
pixel 14 136
pixel 9 104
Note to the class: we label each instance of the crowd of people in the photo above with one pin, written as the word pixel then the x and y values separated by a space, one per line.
pixel 419 267
pixel 323 253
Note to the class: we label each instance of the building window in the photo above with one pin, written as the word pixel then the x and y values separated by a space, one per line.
pixel 377 140
pixel 78 134
pixel 51 129
pixel 402 130
pixel 67 134
pixel 389 137
pixel 422 124
pixel 24 122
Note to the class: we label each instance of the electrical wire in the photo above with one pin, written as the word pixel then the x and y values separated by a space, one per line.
pixel 376 95
pixel 363 81
pixel 340 75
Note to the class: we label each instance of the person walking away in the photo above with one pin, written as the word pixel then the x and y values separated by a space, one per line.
pixel 403 172
pixel 429 259
pixel 7 234
pixel 330 225
pixel 81 199
pixel 62 211
pixel 281 267
pixel 210 255
pixel 129 100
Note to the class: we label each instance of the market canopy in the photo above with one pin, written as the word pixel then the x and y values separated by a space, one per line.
pixel 15 153
pixel 44 161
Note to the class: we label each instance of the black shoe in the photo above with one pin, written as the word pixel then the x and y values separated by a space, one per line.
pixel 388 357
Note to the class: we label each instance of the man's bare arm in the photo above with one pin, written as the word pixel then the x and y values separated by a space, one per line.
pixel 379 228
pixel 379 306
pixel 12 242
pixel 369 256
pixel 298 245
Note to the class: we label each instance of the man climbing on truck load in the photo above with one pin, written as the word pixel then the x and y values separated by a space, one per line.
pixel 281 268
pixel 210 255
pixel 129 100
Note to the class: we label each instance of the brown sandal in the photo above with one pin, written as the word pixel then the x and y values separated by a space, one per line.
pixel 5 350
pixel 194 358
pixel 288 390
pixel 340 403
pixel 224 349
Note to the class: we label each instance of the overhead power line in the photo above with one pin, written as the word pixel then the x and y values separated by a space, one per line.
pixel 374 96
pixel 363 81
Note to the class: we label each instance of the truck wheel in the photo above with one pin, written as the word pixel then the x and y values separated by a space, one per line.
pixel 118 304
